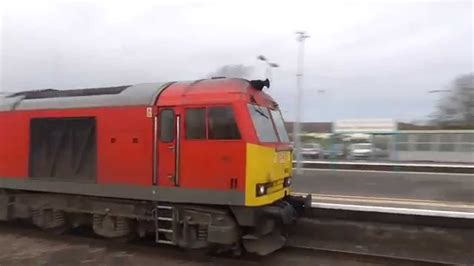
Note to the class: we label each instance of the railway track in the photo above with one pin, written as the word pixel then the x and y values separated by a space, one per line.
pixel 28 245
pixel 445 244
pixel 365 257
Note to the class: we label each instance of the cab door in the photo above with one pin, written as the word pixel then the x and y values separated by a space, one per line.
pixel 168 146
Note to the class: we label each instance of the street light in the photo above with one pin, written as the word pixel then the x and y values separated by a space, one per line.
pixel 437 91
pixel 270 65
pixel 300 37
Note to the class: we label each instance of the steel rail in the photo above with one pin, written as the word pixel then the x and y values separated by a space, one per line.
pixel 376 256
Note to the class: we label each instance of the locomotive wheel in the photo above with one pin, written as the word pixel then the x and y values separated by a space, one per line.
pixel 58 230
pixel 264 245
pixel 225 251
pixel 125 239
pixel 52 221
pixel 118 228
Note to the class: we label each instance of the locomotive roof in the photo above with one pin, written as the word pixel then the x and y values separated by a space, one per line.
pixel 128 95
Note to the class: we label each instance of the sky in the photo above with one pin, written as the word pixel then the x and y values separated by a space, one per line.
pixel 363 60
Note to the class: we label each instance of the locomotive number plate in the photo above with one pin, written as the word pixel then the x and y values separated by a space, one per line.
pixel 281 157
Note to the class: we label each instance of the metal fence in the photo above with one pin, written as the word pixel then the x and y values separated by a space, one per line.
pixel 455 146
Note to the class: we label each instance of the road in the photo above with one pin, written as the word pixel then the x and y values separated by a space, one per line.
pixel 383 184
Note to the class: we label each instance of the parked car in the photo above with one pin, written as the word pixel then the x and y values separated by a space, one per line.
pixel 335 151
pixel 365 151
pixel 360 151
pixel 311 151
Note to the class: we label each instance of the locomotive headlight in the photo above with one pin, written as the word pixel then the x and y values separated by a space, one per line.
pixel 287 182
pixel 261 190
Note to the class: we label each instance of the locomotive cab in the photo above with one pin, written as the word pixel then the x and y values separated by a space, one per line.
pixel 233 143
pixel 268 164
pixel 223 135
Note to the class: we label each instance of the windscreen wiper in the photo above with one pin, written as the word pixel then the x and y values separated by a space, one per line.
pixel 261 113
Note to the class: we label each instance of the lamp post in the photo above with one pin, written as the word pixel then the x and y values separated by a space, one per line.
pixel 270 65
pixel 437 91
pixel 300 37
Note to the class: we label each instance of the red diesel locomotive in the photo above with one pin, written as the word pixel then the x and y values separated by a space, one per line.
pixel 198 164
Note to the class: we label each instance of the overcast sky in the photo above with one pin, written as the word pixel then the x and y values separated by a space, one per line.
pixel 372 59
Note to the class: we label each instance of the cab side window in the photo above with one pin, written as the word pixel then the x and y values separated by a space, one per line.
pixel 196 123
pixel 222 124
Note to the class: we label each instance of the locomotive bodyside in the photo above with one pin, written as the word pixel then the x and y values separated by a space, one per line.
pixel 189 151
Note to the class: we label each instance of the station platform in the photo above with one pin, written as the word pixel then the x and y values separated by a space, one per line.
pixel 431 208
pixel 425 189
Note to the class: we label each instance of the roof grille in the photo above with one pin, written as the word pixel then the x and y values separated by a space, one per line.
pixel 52 93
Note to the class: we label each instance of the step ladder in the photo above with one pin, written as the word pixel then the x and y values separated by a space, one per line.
pixel 164 216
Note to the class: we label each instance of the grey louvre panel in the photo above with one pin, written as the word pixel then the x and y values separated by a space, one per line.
pixel 134 95
pixel 52 93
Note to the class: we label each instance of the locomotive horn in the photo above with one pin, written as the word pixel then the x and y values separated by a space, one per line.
pixel 260 84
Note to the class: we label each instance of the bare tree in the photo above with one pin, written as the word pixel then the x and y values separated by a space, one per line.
pixel 232 71
pixel 456 107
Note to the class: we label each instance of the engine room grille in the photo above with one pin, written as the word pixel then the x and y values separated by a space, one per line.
pixel 63 148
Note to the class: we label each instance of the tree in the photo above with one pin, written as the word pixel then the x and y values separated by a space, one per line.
pixel 232 71
pixel 456 107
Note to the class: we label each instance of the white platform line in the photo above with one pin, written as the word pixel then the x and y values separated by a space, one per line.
pixel 386 172
pixel 394 210
pixel 391 200
pixel 468 166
